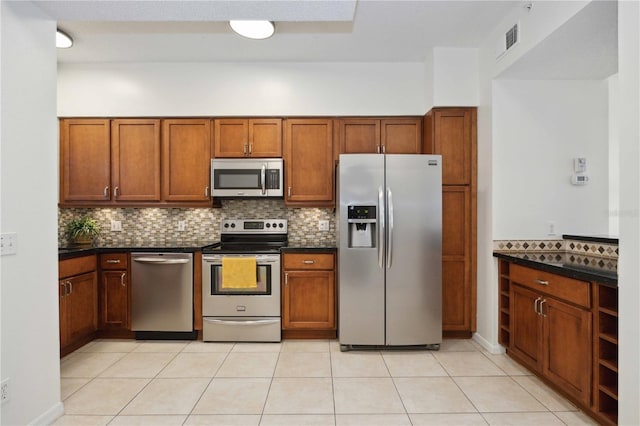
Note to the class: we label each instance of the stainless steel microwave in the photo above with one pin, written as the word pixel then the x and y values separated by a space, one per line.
pixel 247 177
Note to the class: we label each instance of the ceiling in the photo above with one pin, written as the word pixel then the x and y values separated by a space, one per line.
pixel 306 30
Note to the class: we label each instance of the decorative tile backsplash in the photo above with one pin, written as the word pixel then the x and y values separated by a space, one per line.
pixel 576 247
pixel 161 224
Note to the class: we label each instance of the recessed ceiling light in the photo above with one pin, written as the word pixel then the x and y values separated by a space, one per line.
pixel 256 30
pixel 63 41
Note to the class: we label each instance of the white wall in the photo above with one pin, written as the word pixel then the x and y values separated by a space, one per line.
pixel 240 89
pixel 539 127
pixel 629 267
pixel 455 77
pixel 614 155
pixel 536 25
pixel 29 339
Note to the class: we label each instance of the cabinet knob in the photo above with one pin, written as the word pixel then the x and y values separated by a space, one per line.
pixel 286 278
pixel 244 149
pixel 113 260
pixel 115 192
pixel 541 282
pixel 206 191
pixel 250 148
pixel 308 262
pixel 289 192
pixel 106 191
pixel 124 274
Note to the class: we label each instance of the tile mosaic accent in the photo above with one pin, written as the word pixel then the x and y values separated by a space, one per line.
pixel 581 249
pixel 528 245
pixel 161 224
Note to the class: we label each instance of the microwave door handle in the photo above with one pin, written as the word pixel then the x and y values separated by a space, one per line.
pixel 263 178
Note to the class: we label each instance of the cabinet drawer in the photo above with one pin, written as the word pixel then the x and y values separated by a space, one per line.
pixel 568 289
pixel 76 266
pixel 308 261
pixel 113 261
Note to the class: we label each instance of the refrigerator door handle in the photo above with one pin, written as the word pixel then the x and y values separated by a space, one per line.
pixel 390 239
pixel 381 228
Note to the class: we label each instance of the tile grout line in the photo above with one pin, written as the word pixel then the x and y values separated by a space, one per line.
pixel 208 384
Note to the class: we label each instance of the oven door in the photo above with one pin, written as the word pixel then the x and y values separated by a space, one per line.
pixel 225 302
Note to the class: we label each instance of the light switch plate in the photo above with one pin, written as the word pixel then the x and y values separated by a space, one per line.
pixel 8 243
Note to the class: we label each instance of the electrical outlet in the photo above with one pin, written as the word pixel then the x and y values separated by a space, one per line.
pixel 323 225
pixel 551 228
pixel 4 391
pixel 181 225
pixel 116 225
pixel 8 243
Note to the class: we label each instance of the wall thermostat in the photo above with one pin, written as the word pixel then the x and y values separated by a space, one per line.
pixel 578 179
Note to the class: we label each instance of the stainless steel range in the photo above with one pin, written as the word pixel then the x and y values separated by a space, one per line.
pixel 234 310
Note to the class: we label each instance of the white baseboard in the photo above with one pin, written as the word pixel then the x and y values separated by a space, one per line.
pixel 49 416
pixel 490 347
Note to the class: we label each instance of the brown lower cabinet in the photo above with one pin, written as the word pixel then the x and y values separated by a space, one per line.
pixel 546 322
pixel 115 291
pixel 308 295
pixel 78 302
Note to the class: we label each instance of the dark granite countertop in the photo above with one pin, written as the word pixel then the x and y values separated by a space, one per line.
pixel 588 268
pixel 299 247
pixel 175 246
pixel 178 246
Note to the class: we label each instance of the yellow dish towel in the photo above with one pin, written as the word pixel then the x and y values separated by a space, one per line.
pixel 239 272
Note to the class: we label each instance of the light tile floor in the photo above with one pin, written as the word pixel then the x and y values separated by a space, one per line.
pixel 302 382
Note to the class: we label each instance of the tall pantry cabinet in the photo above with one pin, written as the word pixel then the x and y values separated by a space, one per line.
pixel 451 132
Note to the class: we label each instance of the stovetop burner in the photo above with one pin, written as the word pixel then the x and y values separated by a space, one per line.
pixel 250 236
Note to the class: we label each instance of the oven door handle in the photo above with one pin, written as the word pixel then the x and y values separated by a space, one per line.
pixel 241 322
pixel 259 260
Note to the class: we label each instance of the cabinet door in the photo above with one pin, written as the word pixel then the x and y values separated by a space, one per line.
pixel 359 136
pixel 135 160
pixel 456 259
pixel 231 138
pixel 567 347
pixel 82 306
pixel 114 295
pixel 526 326
pixel 186 160
pixel 453 138
pixel 63 288
pixel 265 137
pixel 85 172
pixel 309 162
pixel 308 300
pixel 401 136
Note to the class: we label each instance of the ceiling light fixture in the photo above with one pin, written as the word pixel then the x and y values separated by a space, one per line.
pixel 63 40
pixel 257 30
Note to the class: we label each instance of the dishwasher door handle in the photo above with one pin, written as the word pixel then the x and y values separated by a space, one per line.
pixel 160 261
pixel 252 322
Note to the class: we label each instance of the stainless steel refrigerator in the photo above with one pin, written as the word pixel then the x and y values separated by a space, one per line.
pixel 390 250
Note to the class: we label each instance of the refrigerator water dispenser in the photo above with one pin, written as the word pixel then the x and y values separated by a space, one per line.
pixel 362 226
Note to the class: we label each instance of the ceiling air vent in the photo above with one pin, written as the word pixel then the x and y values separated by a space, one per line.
pixel 508 40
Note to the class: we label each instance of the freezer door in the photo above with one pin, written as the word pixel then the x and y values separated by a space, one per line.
pixel 414 258
pixel 361 276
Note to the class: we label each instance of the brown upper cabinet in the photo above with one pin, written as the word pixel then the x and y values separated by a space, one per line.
pixel 451 132
pixel 85 165
pixel 237 137
pixel 309 162
pixel 109 161
pixel 135 160
pixel 186 159
pixel 387 135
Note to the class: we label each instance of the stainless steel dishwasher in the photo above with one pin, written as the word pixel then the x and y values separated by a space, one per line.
pixel 162 295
